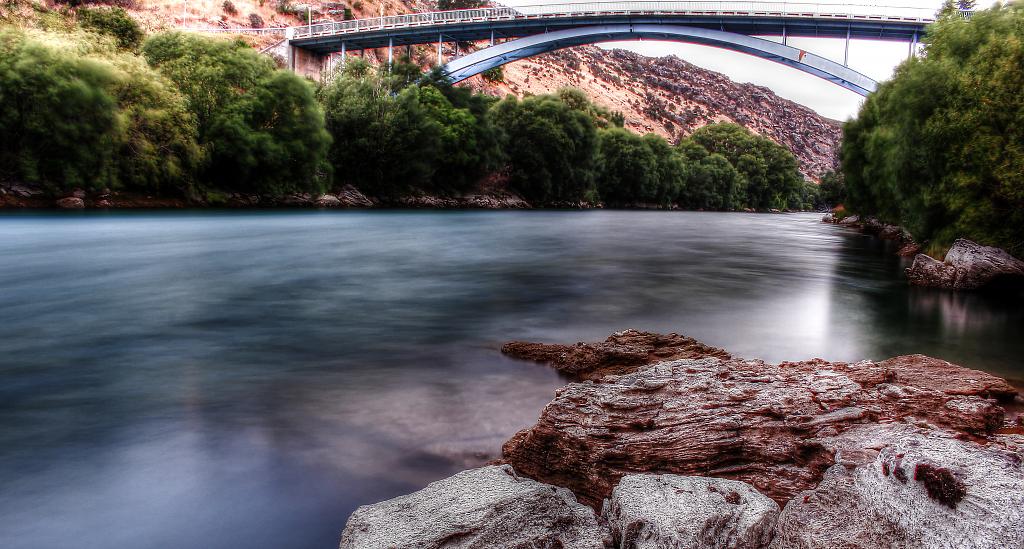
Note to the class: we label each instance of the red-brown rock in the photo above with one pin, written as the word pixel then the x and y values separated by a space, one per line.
pixel 777 427
pixel 621 353
pixel 71 203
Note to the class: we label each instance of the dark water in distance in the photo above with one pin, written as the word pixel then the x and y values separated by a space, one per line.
pixel 225 380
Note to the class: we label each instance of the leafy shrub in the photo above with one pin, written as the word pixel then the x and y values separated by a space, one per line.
pixel 255 21
pixel 114 22
pixel 229 7
pixel 494 74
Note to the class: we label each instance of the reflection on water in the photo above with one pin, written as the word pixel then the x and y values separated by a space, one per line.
pixel 226 380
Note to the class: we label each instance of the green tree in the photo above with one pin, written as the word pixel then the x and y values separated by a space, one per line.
pixel 551 147
pixel 671 170
pixel 770 172
pixel 938 148
pixel 261 127
pixel 78 113
pixel 627 169
pixel 467 147
pixel 711 182
pixel 385 142
pixel 263 142
pixel 832 190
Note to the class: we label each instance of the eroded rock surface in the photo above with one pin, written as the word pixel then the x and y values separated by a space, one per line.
pixel 968 266
pixel 621 353
pixel 489 507
pixel 923 490
pixel 71 203
pixel 655 511
pixel 777 427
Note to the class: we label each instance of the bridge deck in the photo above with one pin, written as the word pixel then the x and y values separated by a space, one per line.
pixel 748 18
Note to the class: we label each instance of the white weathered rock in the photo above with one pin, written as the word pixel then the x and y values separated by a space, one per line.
pixel 968 266
pixel 490 507
pixel 924 490
pixel 655 511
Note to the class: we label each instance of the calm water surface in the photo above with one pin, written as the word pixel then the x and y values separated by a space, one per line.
pixel 225 380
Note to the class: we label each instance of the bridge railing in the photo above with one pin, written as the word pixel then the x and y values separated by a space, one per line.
pixel 409 20
pixel 640 7
pixel 822 9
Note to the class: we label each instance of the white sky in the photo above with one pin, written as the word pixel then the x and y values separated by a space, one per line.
pixel 874 58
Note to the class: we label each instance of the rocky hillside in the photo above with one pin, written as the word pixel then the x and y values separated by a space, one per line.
pixel 671 97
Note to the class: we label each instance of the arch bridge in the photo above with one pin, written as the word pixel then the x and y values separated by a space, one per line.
pixel 519 32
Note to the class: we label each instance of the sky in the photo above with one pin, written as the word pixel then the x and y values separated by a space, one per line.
pixel 874 58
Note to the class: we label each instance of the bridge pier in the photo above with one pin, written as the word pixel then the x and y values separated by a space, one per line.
pixel 846 52
pixel 307 63
pixel 302 61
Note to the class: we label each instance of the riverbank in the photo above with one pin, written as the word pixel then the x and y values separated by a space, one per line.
pixel 669 442
pixel 488 195
pixel 967 265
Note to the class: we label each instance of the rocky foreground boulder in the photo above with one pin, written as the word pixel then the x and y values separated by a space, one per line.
pixel 911 452
pixel 491 507
pixel 922 490
pixel 775 426
pixel 689 513
pixel 967 266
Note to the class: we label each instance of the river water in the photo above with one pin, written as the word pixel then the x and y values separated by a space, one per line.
pixel 224 380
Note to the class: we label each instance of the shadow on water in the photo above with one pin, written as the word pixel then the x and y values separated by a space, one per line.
pixel 216 380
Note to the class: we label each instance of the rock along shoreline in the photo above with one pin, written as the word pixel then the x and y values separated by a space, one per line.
pixel 486 197
pixel 662 441
pixel 967 265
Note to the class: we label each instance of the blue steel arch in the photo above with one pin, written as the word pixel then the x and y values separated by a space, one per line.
pixel 529 46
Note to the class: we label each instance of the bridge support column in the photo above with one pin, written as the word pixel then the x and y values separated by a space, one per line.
pixel 784 42
pixel 289 50
pixel 492 37
pixel 343 56
pixel 913 47
pixel 440 59
pixel 391 53
pixel 846 52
